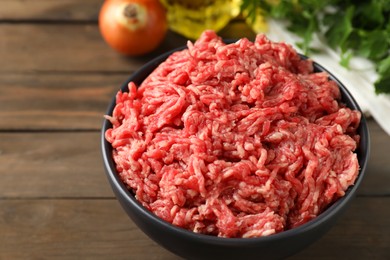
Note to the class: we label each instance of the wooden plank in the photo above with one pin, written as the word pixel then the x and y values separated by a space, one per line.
pixel 71 229
pixel 66 47
pixel 49 10
pixel 56 101
pixel 69 164
pixel 377 178
pixel 52 165
pixel 363 232
pixel 99 229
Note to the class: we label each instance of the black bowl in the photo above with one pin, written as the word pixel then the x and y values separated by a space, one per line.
pixel 190 245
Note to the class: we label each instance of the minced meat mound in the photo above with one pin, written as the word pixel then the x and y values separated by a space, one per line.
pixel 235 140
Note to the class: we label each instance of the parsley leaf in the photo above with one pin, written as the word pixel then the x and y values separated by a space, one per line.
pixel 373 44
pixel 353 27
pixel 382 85
pixel 340 29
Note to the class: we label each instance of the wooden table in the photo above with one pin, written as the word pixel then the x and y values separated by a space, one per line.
pixel 57 77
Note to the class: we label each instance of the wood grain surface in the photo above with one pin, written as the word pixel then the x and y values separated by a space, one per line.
pixel 56 101
pixel 75 48
pixel 57 77
pixel 98 229
pixel 69 11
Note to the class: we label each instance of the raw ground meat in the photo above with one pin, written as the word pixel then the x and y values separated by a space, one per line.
pixel 235 140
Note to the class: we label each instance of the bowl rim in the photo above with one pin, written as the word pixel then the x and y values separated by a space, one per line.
pixel 327 214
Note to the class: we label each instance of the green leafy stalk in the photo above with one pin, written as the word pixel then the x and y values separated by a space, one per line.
pixel 353 27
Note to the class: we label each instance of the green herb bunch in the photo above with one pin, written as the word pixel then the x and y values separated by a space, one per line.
pixel 355 27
